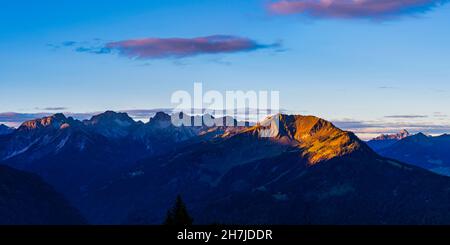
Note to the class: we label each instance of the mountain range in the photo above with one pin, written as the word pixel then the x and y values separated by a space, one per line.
pixel 429 152
pixel 304 170
pixel 386 140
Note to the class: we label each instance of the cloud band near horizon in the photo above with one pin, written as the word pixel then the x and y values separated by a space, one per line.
pixel 158 48
pixel 372 9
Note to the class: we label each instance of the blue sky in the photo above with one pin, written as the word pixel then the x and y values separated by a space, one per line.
pixel 369 73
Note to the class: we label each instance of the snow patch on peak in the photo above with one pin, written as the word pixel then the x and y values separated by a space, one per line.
pixel 398 136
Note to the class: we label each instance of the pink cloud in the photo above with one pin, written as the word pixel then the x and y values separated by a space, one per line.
pixel 352 8
pixel 152 48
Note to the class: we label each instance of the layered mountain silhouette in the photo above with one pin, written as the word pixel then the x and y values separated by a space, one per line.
pixel 287 169
pixel 5 129
pixel 427 152
pixel 76 156
pixel 25 199
pixel 386 140
pixel 309 172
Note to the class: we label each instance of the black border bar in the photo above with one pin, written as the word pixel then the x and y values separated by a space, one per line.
pixel 279 233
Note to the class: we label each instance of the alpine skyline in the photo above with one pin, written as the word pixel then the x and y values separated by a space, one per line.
pixel 370 68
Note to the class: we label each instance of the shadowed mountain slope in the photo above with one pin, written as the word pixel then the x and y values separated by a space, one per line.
pixel 307 172
pixel 432 153
pixel 26 199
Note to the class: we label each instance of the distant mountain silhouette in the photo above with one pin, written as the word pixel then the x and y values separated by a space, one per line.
pixel 432 153
pixel 386 140
pixel 26 199
pixel 301 170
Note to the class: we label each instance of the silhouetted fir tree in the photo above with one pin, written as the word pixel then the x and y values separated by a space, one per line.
pixel 178 214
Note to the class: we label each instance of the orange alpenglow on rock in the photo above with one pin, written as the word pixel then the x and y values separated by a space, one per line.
pixel 57 120
pixel 318 139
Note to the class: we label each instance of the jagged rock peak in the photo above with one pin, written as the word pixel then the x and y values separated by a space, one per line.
pixel 55 120
pixel 318 139
pixel 398 136
pixel 111 116
pixel 161 116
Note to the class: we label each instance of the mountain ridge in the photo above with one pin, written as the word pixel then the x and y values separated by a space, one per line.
pixel 386 140
pixel 428 152
pixel 237 179
pixel 398 136
pixel 301 168
pixel 5 129
pixel 319 139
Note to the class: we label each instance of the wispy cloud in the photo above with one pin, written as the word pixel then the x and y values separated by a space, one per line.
pixel 51 108
pixel 370 9
pixel 369 129
pixel 94 50
pixel 69 43
pixel 406 116
pixel 158 48
pixel 62 44
pixel 387 87
pixel 439 115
